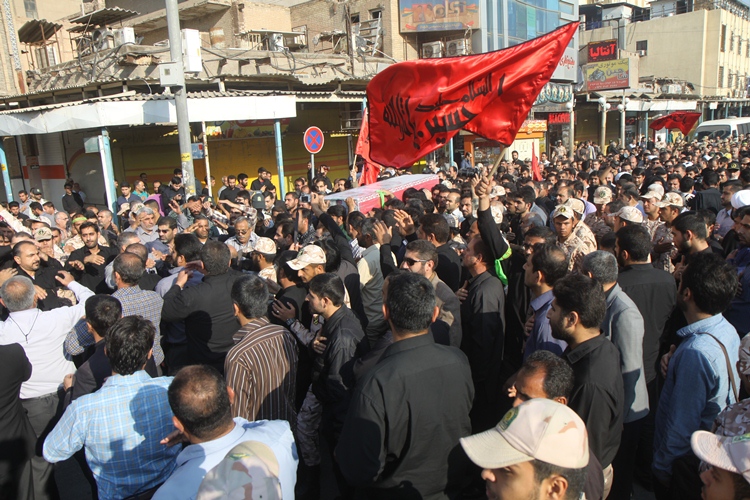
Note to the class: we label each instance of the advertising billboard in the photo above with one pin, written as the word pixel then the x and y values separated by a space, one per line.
pixel 608 75
pixel 438 15
pixel 605 50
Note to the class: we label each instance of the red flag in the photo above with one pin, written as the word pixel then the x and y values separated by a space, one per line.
pixel 683 120
pixel 536 174
pixel 417 106
pixel 369 171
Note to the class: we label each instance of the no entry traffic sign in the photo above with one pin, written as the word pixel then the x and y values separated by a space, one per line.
pixel 313 140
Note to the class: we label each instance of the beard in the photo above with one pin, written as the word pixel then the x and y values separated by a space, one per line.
pixel 559 332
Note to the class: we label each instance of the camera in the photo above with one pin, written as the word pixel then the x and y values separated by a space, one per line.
pixel 305 198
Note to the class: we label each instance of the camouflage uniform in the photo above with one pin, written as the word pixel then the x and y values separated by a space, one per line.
pixel 581 242
pixel 663 261
pixel 597 225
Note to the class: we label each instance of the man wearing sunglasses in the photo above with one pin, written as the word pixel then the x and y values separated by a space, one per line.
pixel 421 258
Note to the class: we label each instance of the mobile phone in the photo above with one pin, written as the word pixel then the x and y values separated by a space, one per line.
pixel 305 198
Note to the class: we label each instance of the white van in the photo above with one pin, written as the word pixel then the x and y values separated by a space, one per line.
pixel 722 129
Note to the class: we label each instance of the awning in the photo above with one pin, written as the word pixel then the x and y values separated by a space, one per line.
pixel 660 105
pixel 37 31
pixel 143 109
pixel 104 17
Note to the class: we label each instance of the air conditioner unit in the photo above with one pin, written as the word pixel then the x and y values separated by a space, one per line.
pixel 457 48
pixel 432 50
pixel 101 39
pixel 276 42
pixel 123 36
pixel 642 53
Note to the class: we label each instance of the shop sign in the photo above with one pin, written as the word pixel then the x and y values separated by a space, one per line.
pixel 558 118
pixel 245 129
pixel 605 50
pixel 608 75
pixel 532 126
pixel 555 92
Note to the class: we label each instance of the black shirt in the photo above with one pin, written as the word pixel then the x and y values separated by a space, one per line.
pixel 406 417
pixel 208 311
pixel 72 203
pixel 449 266
pixel 258 183
pixel 92 277
pixel 44 277
pixel 229 193
pixel 654 293
pixel 598 394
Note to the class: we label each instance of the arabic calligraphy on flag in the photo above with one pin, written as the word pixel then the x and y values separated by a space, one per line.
pixel 415 107
pixel 682 120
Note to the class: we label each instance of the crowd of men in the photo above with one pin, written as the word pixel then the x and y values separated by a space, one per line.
pixel 559 330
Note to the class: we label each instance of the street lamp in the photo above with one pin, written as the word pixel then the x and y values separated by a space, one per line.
pixel 622 108
pixel 570 105
pixel 603 107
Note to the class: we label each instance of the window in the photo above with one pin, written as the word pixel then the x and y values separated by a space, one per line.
pixel 376 14
pixel 30 8
pixel 355 18
pixel 721 77
pixel 642 47
pixel 723 42
pixel 731 42
pixel 566 8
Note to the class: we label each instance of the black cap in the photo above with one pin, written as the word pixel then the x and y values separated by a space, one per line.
pixel 36 191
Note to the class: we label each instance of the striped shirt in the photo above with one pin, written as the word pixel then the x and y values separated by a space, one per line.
pixel 262 369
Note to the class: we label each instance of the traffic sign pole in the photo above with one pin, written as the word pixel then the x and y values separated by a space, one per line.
pixel 313 140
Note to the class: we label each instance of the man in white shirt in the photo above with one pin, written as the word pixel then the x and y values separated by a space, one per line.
pixel 200 400
pixel 41 334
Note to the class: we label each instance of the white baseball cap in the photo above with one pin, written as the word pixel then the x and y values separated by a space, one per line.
pixel 537 429
pixel 728 453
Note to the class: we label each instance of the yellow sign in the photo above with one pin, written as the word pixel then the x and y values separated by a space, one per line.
pixel 608 75
pixel 531 126
pixel 185 157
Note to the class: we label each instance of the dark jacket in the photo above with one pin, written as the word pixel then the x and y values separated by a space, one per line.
pixel 449 266
pixel 654 293
pixel 91 375
pixel 406 417
pixel 333 376
pixel 598 394
pixel 446 329
pixel 708 198
pixel 208 311
pixel 45 278
pixel 72 203
pixel 92 277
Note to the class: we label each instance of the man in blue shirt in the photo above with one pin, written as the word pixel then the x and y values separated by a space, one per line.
pixel 201 399
pixel 698 384
pixel 544 267
pixel 121 424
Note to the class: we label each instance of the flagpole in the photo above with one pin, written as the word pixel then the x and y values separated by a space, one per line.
pixel 497 161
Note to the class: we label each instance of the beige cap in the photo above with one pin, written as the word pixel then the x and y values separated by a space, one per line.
pixel 630 214
pixel 655 191
pixel 577 205
pixel 309 255
pixel 744 367
pixel 672 200
pixel 265 246
pixel 563 211
pixel 497 191
pixel 602 195
pixel 123 208
pixel 250 471
pixel 728 453
pixel 43 233
pixel 537 429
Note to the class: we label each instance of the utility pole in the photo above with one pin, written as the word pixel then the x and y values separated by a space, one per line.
pixel 180 98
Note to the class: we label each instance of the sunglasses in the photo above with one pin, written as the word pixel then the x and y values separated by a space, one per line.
pixel 411 262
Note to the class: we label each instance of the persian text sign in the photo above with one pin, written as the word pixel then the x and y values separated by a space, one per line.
pixel 608 75
pixel 602 51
